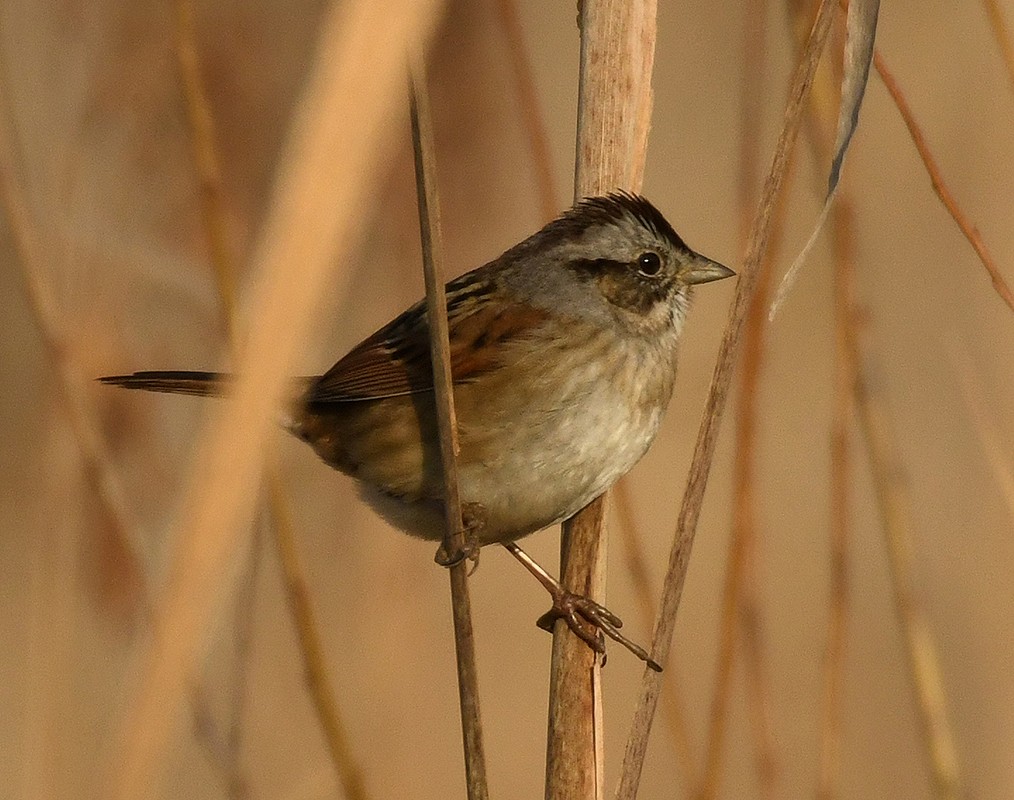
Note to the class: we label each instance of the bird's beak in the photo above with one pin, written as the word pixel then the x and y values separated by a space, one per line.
pixel 704 270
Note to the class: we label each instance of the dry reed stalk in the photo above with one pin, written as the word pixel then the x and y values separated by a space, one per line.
pixel 535 130
pixel 322 694
pixel 320 193
pixel 440 351
pixel 679 555
pixel 617 50
pixel 969 230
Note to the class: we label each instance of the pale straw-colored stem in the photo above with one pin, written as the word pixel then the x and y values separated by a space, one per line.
pixel 617 50
pixel 354 88
pixel 207 165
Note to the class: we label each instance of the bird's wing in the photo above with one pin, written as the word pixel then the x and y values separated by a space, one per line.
pixel 395 361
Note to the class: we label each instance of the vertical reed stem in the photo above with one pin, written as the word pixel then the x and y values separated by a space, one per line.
pixel 440 351
pixel 617 50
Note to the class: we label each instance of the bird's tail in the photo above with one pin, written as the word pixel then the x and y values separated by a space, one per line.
pixel 198 384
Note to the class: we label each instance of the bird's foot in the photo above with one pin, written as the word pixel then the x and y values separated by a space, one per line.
pixel 450 554
pixel 586 618
pixel 589 621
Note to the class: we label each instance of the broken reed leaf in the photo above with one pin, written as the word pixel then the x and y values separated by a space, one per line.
pixel 860 37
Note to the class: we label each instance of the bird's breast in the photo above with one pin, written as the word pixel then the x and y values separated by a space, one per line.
pixel 545 436
pixel 540 436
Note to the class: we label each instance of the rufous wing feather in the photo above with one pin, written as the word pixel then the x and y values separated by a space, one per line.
pixel 395 361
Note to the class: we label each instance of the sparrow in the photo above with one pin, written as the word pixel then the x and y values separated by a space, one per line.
pixel 563 359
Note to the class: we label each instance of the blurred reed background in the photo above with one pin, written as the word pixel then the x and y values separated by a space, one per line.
pixel 93 94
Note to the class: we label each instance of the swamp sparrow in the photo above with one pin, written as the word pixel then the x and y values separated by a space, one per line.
pixel 563 356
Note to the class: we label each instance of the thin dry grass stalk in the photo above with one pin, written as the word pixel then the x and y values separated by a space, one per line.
pixel 969 230
pixel 440 350
pixel 679 555
pixel 53 622
pixel 219 748
pixel 224 748
pixel 243 636
pixel 617 50
pixel 223 743
pixel 898 525
pixel 757 690
pixel 208 167
pixel 321 192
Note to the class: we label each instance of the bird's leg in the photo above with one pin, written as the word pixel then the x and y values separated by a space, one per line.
pixel 473 518
pixel 586 618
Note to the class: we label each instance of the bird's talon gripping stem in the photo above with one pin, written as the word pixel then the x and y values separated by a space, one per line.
pixel 472 515
pixel 451 557
pixel 589 620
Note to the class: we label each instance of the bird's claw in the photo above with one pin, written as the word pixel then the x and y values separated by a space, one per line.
pixel 591 622
pixel 449 555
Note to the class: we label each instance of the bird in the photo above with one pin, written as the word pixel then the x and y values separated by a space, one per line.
pixel 563 355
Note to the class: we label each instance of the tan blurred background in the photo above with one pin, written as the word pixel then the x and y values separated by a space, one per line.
pixel 97 107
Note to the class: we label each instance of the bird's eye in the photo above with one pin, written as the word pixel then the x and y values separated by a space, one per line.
pixel 649 263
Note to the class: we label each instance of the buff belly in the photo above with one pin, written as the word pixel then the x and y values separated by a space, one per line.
pixel 526 461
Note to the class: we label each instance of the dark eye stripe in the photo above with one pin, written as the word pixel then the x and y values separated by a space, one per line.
pixel 598 266
pixel 648 264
